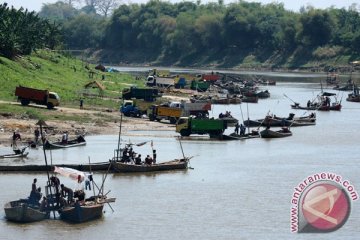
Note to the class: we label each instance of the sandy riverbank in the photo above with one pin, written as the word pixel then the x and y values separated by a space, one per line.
pixel 26 127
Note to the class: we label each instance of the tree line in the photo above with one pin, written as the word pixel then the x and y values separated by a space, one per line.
pixel 22 31
pixel 188 30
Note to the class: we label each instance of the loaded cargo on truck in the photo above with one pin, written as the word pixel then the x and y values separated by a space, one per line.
pixel 27 95
pixel 174 110
pixel 188 125
pixel 156 81
pixel 198 109
pixel 148 94
pixel 160 112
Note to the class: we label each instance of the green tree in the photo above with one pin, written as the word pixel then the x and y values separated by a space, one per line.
pixel 84 31
pixel 316 28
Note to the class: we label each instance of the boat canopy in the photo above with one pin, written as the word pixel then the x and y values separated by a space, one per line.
pixel 70 173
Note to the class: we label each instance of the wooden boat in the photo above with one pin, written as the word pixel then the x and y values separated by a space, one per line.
pixel 79 213
pixel 226 100
pixel 94 167
pixel 353 98
pixel 79 141
pixel 347 87
pixel 234 136
pixel 254 99
pixel 176 164
pixel 321 103
pixel 23 212
pixel 230 121
pixel 334 107
pixel 274 121
pixel 82 210
pixel 14 155
pixel 263 94
pixel 18 153
pixel 268 133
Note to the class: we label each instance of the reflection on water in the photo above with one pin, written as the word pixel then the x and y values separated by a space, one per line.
pixel 237 189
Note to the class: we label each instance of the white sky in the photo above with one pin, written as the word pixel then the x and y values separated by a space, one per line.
pixel 295 5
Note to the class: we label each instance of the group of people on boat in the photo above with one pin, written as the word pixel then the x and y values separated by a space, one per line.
pixel 241 127
pixel 226 114
pixel 63 195
pixel 131 157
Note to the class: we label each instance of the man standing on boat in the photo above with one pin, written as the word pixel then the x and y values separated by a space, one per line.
pixel 65 191
pixel 237 128
pixel 16 136
pixel 154 156
pixel 65 138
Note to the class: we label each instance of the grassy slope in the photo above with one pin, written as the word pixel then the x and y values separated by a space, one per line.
pixel 53 71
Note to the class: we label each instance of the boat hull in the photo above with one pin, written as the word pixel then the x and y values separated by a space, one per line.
pixel 280 122
pixel 59 145
pixel 101 166
pixel 335 107
pixel 82 213
pixel 353 98
pixel 20 211
pixel 268 133
pixel 166 166
pixel 21 155
pixel 234 136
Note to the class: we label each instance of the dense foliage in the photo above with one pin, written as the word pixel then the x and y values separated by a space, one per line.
pixel 193 33
pixel 187 29
pixel 22 31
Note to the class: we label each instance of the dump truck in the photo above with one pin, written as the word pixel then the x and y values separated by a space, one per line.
pixel 189 125
pixel 27 95
pixel 210 77
pixel 135 107
pixel 156 81
pixel 174 110
pixel 200 86
pixel 148 94
pixel 196 109
pixel 130 110
pixel 161 112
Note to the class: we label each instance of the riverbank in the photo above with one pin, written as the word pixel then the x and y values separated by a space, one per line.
pixel 26 126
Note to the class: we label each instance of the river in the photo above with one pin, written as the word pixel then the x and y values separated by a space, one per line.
pixel 236 189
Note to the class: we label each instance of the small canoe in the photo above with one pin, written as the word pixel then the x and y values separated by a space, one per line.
pixel 263 94
pixel 268 133
pixel 250 99
pixel 176 164
pixel 80 141
pixel 277 122
pixel 234 136
pixel 334 107
pixel 14 155
pixel 22 212
pixel 353 98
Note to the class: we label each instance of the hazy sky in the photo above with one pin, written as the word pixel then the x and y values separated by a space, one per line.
pixel 35 5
